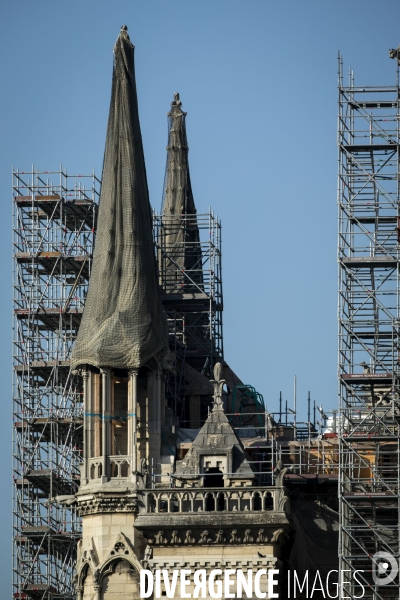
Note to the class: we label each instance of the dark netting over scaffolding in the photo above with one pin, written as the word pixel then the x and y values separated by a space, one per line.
pixel 182 264
pixel 123 323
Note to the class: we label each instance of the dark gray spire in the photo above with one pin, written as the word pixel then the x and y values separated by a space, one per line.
pixel 182 240
pixel 123 323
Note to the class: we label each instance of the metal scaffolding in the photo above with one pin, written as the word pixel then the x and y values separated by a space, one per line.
pixel 54 218
pixel 368 312
pixel 192 297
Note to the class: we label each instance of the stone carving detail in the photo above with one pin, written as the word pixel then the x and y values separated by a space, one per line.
pixel 148 555
pixel 96 579
pixel 89 556
pixel 188 538
pixel 93 556
pixel 176 101
pixel 160 539
pixel 124 566
pixel 280 472
pixel 144 469
pixel 79 552
pixel 149 538
pixel 213 536
pixel 119 546
pixel 220 539
pixel 174 537
pixel 261 537
pixel 282 499
pixel 104 504
pixel 218 384
pixel 204 539
pixel 144 472
pixel 234 537
pixel 247 537
pixel 278 535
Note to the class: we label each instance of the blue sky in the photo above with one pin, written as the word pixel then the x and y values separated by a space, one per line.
pixel 258 79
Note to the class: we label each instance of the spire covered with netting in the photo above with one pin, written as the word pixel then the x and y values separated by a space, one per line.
pixel 123 323
pixel 182 267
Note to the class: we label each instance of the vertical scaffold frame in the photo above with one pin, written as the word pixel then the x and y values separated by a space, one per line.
pixel 368 314
pixel 54 216
pixel 195 313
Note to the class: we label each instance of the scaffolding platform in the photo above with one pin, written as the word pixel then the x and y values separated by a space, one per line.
pixel 47 262
pixel 54 207
pixel 44 540
pixel 43 427
pixel 370 262
pixel 50 317
pixel 381 379
pixel 36 591
pixel 43 373
pixel 50 482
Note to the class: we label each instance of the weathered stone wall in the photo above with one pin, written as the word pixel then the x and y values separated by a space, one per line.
pixel 113 552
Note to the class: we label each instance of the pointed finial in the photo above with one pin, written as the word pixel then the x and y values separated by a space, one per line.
pixel 218 384
pixel 176 101
pixel 176 107
pixel 218 371
pixel 123 37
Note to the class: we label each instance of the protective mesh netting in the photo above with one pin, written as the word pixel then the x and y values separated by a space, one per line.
pixel 123 323
pixel 182 267
pixel 315 546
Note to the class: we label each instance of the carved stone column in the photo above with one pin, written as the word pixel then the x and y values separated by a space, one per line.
pixel 105 440
pixel 79 593
pixel 97 592
pixel 86 420
pixel 96 584
pixel 132 421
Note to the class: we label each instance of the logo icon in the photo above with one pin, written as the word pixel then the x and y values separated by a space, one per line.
pixel 384 568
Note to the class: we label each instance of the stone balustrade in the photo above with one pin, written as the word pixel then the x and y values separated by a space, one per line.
pixel 212 500
pixel 191 500
pixel 95 468
pixel 119 467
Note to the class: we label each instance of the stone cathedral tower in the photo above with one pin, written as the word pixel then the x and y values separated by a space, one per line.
pixel 211 511
pixel 119 349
